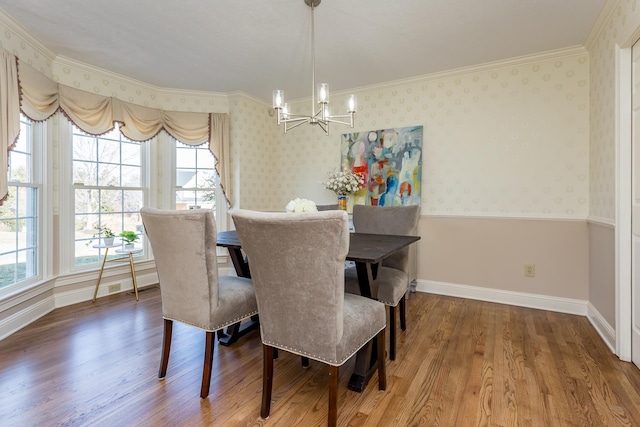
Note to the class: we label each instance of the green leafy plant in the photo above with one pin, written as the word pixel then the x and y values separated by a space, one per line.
pixel 129 236
pixel 101 231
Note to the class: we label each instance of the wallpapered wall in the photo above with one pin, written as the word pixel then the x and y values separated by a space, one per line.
pixel 616 28
pixel 504 139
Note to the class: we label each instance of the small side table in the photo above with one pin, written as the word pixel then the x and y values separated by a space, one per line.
pixel 104 260
pixel 121 251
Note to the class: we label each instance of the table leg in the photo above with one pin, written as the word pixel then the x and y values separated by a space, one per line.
pixel 365 366
pixel 104 259
pixel 133 276
pixel 237 330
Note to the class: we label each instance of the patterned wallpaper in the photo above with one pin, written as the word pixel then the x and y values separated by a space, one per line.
pixel 505 139
pixel 617 27
pixel 254 177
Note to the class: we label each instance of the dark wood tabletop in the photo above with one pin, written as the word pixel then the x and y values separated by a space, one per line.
pixel 363 247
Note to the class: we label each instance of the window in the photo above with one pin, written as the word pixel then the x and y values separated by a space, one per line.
pixel 196 181
pixel 109 189
pixel 19 218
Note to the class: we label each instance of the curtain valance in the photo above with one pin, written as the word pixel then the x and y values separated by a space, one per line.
pixel 25 89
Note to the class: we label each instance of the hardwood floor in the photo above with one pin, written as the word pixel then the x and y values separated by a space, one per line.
pixel 460 363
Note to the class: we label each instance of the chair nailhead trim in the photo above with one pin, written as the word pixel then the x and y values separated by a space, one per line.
pixel 321 359
pixel 216 328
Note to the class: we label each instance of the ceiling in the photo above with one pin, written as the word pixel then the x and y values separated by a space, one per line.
pixel 257 46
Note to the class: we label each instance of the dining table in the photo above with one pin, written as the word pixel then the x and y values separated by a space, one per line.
pixel 367 251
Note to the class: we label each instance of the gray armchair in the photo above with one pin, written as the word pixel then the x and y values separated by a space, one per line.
pixel 184 247
pixel 297 266
pixel 393 274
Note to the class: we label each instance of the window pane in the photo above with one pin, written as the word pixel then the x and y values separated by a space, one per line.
pixel 130 176
pixel 185 156
pixel 130 153
pixel 206 160
pixel 108 175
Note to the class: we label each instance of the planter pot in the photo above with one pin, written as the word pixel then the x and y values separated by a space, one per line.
pixel 107 241
pixel 128 246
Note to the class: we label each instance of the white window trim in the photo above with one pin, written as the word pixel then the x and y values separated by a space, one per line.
pixel 67 197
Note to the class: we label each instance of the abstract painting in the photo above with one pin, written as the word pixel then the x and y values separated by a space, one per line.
pixel 390 161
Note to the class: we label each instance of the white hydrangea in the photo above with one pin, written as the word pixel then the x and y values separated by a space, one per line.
pixel 344 182
pixel 301 205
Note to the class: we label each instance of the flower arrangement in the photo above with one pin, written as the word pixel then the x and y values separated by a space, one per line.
pixel 344 182
pixel 301 205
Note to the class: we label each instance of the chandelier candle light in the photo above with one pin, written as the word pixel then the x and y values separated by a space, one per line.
pixel 321 117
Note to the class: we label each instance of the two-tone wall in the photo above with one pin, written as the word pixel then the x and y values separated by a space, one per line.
pixel 518 164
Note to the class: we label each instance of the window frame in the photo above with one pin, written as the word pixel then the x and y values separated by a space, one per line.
pixel 67 228
pixel 221 202
pixel 36 137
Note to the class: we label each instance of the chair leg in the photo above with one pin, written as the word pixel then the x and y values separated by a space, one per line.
pixel 267 380
pixel 305 361
pixel 166 348
pixel 333 395
pixel 208 363
pixel 403 313
pixel 392 333
pixel 382 365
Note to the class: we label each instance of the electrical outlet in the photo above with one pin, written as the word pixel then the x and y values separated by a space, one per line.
pixel 114 288
pixel 529 270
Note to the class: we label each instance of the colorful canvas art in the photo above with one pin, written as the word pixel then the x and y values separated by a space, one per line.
pixel 390 161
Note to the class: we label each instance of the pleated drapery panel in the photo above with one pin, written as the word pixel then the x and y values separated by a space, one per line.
pixel 9 114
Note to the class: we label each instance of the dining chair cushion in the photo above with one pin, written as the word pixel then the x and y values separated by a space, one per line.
pixel 395 284
pixel 297 267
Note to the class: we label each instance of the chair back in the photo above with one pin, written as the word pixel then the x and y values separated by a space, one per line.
pixel 184 248
pixel 397 220
pixel 297 269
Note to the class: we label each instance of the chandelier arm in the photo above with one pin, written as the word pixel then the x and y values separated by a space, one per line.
pixel 342 122
pixel 301 122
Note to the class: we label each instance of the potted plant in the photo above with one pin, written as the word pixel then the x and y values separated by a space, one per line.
pixel 128 237
pixel 108 238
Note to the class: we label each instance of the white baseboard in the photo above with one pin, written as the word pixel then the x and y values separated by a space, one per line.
pixel 521 299
pixel 605 330
pixel 63 299
pixel 22 318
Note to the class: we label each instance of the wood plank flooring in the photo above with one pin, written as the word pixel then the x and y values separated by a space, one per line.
pixel 460 363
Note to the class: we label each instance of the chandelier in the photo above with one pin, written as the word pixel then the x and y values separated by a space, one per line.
pixel 320 116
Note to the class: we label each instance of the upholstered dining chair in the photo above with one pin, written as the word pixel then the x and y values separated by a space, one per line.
pixel 393 275
pixel 192 292
pixel 297 266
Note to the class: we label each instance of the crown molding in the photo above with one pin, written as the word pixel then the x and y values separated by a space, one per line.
pixel 598 26
pixel 26 37
pixel 511 62
pixel 101 73
pixel 457 72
